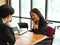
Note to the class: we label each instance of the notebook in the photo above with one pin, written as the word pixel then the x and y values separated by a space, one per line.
pixel 16 30
pixel 19 31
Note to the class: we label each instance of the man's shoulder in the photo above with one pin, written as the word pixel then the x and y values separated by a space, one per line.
pixel 2 25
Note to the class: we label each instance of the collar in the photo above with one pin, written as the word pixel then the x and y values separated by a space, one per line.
pixel 3 21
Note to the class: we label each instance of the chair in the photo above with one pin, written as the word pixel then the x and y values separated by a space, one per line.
pixel 50 33
pixel 23 25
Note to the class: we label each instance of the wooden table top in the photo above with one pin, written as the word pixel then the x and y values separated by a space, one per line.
pixel 29 38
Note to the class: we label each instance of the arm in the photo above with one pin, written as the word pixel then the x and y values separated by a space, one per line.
pixel 35 26
pixel 9 35
pixel 42 27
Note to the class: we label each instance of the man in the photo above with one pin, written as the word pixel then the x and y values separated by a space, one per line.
pixel 6 32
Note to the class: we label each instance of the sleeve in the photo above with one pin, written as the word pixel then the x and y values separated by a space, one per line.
pixel 9 35
pixel 42 28
pixel 32 30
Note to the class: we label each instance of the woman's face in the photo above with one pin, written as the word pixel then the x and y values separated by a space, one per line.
pixel 34 17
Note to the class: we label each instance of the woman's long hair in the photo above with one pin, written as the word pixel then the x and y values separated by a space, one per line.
pixel 36 11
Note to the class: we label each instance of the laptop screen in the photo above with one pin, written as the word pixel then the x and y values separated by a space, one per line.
pixel 16 30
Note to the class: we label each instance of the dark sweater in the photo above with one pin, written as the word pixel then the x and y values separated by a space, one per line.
pixel 6 34
pixel 41 28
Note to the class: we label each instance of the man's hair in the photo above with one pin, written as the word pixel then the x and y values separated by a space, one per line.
pixel 6 10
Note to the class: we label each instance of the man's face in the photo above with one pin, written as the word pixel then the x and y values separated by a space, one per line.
pixel 8 18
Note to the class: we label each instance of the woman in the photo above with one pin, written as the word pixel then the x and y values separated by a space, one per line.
pixel 39 23
pixel 6 32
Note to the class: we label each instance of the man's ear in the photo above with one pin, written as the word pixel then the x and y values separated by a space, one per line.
pixel 8 16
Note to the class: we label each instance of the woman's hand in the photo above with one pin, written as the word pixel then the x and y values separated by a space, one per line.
pixel 35 26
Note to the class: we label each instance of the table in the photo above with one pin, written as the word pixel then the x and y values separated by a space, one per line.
pixel 29 38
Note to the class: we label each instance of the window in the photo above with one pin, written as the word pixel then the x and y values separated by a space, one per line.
pixel 40 4
pixel 25 8
pixel 53 10
pixel 25 12
pixel 15 5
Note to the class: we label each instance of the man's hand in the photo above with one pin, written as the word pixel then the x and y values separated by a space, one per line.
pixel 9 24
